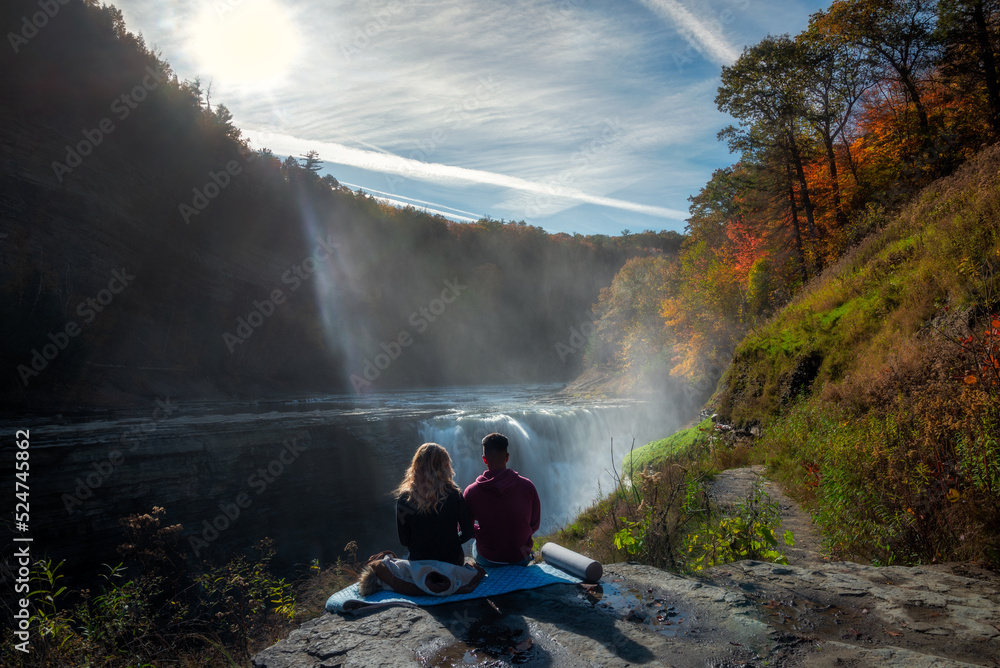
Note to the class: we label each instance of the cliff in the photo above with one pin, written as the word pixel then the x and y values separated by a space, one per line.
pixel 742 614
pixel 812 612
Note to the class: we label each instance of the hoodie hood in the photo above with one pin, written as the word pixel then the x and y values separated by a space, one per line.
pixel 499 482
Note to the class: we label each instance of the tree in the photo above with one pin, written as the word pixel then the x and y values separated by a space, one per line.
pixel 224 119
pixel 969 31
pixel 763 89
pixel 835 80
pixel 630 329
pixel 896 38
pixel 312 162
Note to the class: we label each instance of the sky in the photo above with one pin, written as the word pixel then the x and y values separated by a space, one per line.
pixel 578 116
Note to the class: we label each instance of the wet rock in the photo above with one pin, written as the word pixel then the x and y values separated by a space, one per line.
pixel 747 613
pixel 812 612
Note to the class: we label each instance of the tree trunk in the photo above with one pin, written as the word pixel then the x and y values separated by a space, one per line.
pixel 831 157
pixel 989 64
pixel 911 89
pixel 806 201
pixel 795 224
pixel 850 161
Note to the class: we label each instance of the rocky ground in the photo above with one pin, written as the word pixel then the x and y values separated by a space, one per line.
pixel 811 612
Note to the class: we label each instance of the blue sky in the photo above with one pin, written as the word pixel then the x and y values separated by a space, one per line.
pixel 573 115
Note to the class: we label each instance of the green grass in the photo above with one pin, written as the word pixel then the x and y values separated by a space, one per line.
pixel 657 452
pixel 878 299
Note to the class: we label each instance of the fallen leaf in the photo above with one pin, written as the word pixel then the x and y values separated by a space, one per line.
pixel 894 634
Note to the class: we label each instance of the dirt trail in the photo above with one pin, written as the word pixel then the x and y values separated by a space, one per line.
pixel 732 486
pixel 827 613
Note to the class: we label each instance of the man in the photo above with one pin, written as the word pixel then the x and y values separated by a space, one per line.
pixel 505 509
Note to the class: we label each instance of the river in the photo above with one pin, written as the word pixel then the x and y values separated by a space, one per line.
pixel 313 473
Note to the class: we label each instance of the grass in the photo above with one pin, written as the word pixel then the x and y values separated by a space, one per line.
pixel 661 514
pixel 885 442
pixel 879 297
pixel 656 453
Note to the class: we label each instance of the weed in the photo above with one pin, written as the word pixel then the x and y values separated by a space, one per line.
pixel 749 533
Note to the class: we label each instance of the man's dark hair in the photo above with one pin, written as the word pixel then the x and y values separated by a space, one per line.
pixel 494 444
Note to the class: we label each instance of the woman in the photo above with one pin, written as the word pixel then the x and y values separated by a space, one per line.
pixel 430 510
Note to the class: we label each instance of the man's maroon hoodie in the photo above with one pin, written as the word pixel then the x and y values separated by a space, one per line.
pixel 506 511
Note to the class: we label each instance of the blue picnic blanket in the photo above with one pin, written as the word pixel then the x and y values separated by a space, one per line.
pixel 498 580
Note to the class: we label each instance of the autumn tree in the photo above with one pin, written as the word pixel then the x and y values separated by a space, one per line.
pixel 895 37
pixel 835 79
pixel 630 330
pixel 763 89
pixel 970 33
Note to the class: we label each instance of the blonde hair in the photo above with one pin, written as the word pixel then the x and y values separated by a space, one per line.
pixel 429 478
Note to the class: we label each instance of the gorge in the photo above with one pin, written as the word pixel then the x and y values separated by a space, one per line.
pixel 313 472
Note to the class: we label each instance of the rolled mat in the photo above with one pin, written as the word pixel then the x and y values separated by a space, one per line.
pixel 572 562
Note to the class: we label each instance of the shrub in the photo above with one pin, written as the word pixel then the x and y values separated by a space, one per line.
pixel 152 611
pixel 749 533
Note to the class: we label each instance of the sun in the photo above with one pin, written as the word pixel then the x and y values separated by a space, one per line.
pixel 245 42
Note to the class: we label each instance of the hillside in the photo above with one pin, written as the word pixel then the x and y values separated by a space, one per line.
pixel 874 395
pixel 877 387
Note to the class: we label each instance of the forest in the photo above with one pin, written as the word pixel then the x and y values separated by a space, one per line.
pixel 833 298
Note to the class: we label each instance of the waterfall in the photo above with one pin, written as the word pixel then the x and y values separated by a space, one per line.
pixel 566 451
pixel 335 488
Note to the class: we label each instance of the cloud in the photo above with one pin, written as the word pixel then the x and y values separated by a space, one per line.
pixel 407 79
pixel 433 207
pixel 445 174
pixel 710 41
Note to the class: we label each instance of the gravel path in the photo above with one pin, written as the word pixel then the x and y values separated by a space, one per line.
pixel 732 486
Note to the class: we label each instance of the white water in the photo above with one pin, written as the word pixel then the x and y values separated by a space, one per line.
pixel 203 454
pixel 566 451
